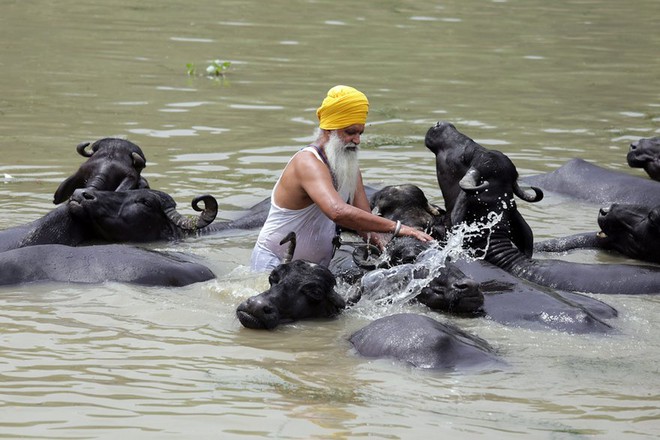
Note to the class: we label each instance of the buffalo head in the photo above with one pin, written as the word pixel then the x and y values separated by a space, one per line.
pixel 112 165
pixel 645 153
pixel 632 230
pixel 476 181
pixel 298 290
pixel 409 204
pixel 140 215
pixel 452 291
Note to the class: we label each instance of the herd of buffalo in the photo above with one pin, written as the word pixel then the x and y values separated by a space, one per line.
pixel 107 206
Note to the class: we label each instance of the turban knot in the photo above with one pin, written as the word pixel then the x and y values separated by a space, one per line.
pixel 342 107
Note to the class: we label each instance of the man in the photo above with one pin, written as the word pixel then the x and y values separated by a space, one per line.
pixel 321 187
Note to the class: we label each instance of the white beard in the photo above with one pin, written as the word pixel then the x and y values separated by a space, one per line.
pixel 343 162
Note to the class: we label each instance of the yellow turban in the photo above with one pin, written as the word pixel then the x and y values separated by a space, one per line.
pixel 342 107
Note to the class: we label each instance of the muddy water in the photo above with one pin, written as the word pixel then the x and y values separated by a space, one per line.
pixel 541 81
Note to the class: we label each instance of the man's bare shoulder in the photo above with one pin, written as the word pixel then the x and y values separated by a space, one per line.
pixel 305 162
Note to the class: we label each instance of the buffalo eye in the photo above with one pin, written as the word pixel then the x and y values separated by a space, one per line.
pixel 312 291
pixel 275 276
pixel 145 202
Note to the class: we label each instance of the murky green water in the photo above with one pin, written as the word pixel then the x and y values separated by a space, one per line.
pixel 541 81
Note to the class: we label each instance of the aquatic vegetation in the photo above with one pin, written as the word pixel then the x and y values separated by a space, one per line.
pixel 217 69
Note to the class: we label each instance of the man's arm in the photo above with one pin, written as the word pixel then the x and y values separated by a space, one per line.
pixel 316 181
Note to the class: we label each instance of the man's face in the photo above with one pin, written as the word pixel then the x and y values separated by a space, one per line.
pixel 351 134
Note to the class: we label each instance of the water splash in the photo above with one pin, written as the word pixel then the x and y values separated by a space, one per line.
pixel 384 288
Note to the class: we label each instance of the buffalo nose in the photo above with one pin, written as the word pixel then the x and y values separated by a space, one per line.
pixel 264 307
pixel 465 284
pixel 82 193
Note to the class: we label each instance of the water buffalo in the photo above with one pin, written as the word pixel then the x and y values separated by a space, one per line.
pixel 583 180
pixel 476 288
pixel 139 215
pixel 505 299
pixel 442 287
pixel 99 264
pixel 298 290
pixel 423 342
pixel 409 204
pixel 454 153
pixel 631 230
pixel 645 153
pixel 112 165
pixel 486 193
pixel 451 291
pixel 512 301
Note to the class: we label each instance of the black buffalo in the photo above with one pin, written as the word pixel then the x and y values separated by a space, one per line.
pixel 455 153
pixel 645 153
pixel 99 264
pixel 140 215
pixel 112 165
pixel 442 287
pixel 423 342
pixel 477 288
pixel 583 180
pixel 631 230
pixel 409 204
pixel 451 291
pixel 298 290
pixel 505 299
pixel 486 191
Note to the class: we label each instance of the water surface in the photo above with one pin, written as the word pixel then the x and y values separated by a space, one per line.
pixel 541 81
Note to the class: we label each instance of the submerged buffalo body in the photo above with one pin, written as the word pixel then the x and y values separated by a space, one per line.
pixel 583 180
pixel 112 165
pixel 645 153
pixel 99 264
pixel 423 342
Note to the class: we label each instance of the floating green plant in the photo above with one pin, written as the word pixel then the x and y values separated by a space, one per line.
pixel 217 69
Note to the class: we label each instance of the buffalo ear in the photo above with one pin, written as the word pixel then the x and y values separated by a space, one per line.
pixel 128 183
pixel 337 300
pixel 142 183
pixel 67 187
pixel 522 235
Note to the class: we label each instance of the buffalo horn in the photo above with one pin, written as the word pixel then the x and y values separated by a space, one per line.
pixel 469 182
pixel 80 148
pixel 138 161
pixel 291 239
pixel 191 223
pixel 536 197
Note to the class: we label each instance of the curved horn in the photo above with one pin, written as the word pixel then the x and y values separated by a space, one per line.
pixel 80 148
pixel 536 197
pixel 291 239
pixel 366 256
pixel 191 223
pixel 138 161
pixel 209 211
pixel 470 182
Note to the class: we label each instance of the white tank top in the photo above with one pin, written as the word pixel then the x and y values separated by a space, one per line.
pixel 314 234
